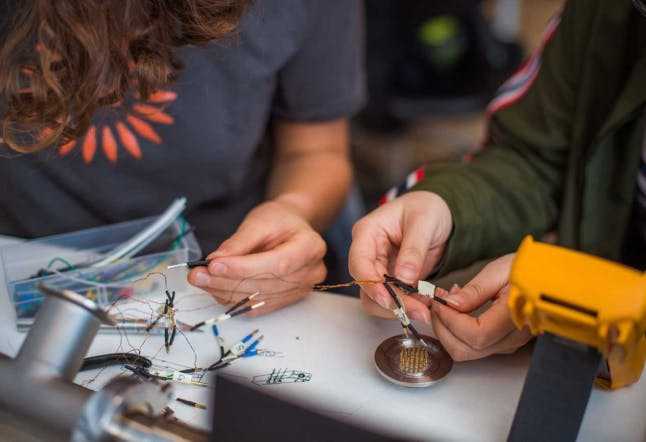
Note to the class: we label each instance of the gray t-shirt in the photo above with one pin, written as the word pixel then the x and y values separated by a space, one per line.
pixel 203 137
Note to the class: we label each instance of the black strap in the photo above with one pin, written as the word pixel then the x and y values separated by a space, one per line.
pixel 556 391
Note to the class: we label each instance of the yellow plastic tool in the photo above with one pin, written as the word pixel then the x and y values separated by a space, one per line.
pixel 585 299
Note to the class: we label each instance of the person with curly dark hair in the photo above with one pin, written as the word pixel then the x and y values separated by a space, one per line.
pixel 111 108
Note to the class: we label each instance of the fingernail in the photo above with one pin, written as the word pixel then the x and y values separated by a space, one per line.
pixel 202 279
pixel 407 273
pixel 453 301
pixel 217 268
pixel 420 316
pixel 383 300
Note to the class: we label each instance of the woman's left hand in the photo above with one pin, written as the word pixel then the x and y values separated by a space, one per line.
pixel 275 251
pixel 468 337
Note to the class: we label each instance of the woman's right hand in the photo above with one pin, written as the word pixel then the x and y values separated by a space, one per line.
pixel 405 238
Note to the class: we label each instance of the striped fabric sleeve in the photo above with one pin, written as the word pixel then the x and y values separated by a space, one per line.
pixel 513 90
pixel 412 179
pixel 517 86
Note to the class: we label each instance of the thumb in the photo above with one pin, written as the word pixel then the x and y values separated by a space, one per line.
pixel 417 236
pixel 484 286
pixel 244 241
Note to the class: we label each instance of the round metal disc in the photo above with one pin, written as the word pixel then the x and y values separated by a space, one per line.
pixel 407 362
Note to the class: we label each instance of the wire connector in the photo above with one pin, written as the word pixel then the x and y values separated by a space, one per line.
pixel 402 316
pixel 426 288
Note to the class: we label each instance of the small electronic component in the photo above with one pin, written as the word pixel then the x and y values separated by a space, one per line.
pixel 240 347
pixel 423 288
pixel 180 377
pixel 170 325
pixel 403 361
pixel 232 312
pixel 190 264
pixel 245 348
pixel 426 288
pixel 400 313
pixel 191 403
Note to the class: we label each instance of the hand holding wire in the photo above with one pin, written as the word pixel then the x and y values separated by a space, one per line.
pixel 274 251
pixel 405 237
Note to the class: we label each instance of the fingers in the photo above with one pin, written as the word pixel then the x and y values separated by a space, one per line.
pixel 227 290
pixel 368 259
pixel 417 237
pixel 461 351
pixel 374 309
pixel 415 309
pixel 298 252
pixel 425 227
pixel 466 337
pixel 412 229
pixel 245 240
pixel 367 240
pixel 485 285
pixel 480 332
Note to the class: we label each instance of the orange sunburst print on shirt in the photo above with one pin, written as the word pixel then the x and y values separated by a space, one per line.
pixel 126 133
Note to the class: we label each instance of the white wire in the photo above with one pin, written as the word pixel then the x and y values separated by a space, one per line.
pixel 146 236
pixel 124 284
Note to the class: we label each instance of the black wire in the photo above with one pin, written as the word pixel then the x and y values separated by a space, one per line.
pixel 168 306
pixel 218 366
pixel 400 284
pixel 110 359
pixel 415 332
pixel 210 367
pixel 242 302
pixel 172 336
pixel 410 289
pixel 392 294
pixel 154 323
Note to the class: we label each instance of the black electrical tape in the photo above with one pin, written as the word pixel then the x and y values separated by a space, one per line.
pixel 110 359
pixel 556 391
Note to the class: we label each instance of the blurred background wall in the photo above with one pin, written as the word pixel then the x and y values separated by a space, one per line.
pixel 432 67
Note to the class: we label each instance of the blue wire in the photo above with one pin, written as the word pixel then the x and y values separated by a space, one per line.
pixel 248 337
pixel 251 351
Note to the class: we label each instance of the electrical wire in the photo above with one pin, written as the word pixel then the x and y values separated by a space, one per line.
pixel 146 236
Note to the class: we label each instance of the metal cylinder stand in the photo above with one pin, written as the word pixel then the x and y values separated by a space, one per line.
pixel 37 387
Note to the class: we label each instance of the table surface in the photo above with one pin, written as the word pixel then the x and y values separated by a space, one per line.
pixel 330 337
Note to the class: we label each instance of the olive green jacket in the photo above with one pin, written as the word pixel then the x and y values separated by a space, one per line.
pixel 564 157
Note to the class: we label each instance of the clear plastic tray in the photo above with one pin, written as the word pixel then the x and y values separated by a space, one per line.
pixel 63 260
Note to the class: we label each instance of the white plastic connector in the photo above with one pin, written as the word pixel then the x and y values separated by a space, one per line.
pixel 425 288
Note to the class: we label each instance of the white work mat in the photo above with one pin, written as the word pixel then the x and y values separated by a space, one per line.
pixel 330 338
